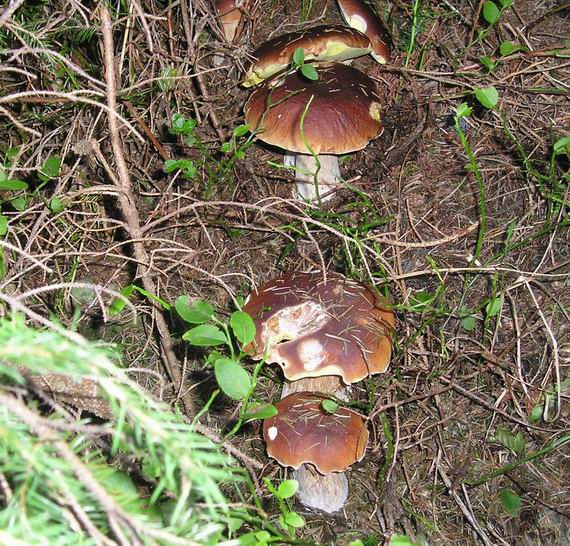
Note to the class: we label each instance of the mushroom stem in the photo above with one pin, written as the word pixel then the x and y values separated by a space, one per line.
pixel 316 175
pixel 327 493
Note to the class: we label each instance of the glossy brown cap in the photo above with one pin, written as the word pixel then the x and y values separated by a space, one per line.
pixel 339 112
pixel 313 328
pixel 303 432
pixel 358 15
pixel 322 43
pixel 230 14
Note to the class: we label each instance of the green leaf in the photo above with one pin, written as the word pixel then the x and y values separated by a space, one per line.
pixel 494 306
pixel 287 488
pixel 226 147
pixel 3 225
pixel 468 323
pixel 330 406
pixel 260 411
pixel 56 205
pixel 241 130
pixel 562 145
pixel 205 335
pixel 463 110
pixel 234 381
pixel 292 519
pixel 50 168
pixel 487 96
pixel 243 327
pixel 508 48
pixel 310 72
pixel 491 12
pixel 19 203
pixel 536 414
pixel 400 540
pixel 196 312
pixel 487 62
pixel 8 184
pixel 510 501
pixel 299 57
pixel 506 3
pixel 118 304
pixel 420 300
pixel 514 442
pixel 356 542
pixel 170 165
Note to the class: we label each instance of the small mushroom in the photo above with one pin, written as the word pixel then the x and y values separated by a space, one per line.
pixel 303 432
pixel 315 121
pixel 230 13
pixel 322 43
pixel 358 15
pixel 314 326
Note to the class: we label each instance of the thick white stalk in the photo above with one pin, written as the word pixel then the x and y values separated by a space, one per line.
pixel 323 176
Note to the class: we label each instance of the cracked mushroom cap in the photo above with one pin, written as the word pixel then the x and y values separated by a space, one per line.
pixel 358 15
pixel 303 432
pixel 322 43
pixel 313 328
pixel 336 114
pixel 230 13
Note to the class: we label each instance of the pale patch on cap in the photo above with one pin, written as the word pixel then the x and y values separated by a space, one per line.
pixel 272 433
pixel 311 353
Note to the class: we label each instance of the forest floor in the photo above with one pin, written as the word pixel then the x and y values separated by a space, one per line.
pixel 473 254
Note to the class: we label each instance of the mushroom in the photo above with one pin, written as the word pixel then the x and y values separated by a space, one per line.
pixel 230 14
pixel 325 331
pixel 318 445
pixel 358 15
pixel 315 121
pixel 322 43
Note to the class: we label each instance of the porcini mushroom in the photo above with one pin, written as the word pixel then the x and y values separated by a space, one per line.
pixel 230 14
pixel 325 331
pixel 314 326
pixel 319 445
pixel 315 121
pixel 322 43
pixel 358 15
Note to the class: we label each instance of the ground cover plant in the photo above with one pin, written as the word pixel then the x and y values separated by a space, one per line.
pixel 137 211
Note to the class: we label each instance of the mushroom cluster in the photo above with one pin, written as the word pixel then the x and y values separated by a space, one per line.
pixel 326 332
pixel 315 121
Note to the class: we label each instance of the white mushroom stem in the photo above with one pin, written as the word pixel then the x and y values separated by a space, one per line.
pixel 327 493
pixel 314 173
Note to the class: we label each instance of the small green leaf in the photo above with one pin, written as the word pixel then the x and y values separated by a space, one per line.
pixel 243 327
pixel 310 72
pixel 356 542
pixel 287 488
pixel 292 519
pixel 487 62
pixel 241 130
pixel 8 184
pixel 234 381
pixel 19 203
pixel 536 414
pixel 118 304
pixel 463 110
pixel 226 147
pixel 299 57
pixel 562 145
pixel 468 323
pixel 494 306
pixel 260 411
pixel 170 165
pixel 514 442
pixel 420 300
pixel 491 12
pixel 400 540
pixel 330 406
pixel 506 3
pixel 195 312
pixel 510 501
pixel 56 205
pixel 205 335
pixel 50 168
pixel 487 96
pixel 508 48
pixel 3 225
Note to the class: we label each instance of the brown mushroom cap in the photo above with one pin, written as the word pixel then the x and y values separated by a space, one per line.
pixel 358 15
pixel 313 328
pixel 230 13
pixel 322 43
pixel 339 112
pixel 303 432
